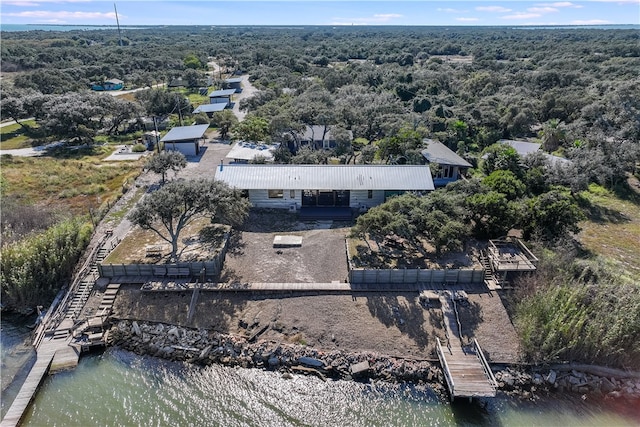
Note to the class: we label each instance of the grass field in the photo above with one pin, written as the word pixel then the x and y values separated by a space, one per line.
pixel 612 230
pixel 76 181
pixel 14 136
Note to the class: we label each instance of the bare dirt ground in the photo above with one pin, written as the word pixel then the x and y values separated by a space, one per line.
pixel 322 258
pixel 392 324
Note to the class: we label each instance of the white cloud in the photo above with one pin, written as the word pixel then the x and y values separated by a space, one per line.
pixel 618 1
pixel 21 3
pixel 461 19
pixel 450 10
pixel 378 18
pixel 591 22
pixel 62 15
pixel 498 9
pixel 522 15
pixel 542 9
pixel 560 4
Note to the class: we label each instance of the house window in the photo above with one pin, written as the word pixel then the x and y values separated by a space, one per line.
pixel 369 194
pixel 292 194
pixel 276 194
pixel 447 171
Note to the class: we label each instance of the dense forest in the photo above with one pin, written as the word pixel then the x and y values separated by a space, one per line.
pixel 382 91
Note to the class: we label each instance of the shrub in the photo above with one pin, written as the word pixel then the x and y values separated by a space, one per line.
pixel 34 269
pixel 139 148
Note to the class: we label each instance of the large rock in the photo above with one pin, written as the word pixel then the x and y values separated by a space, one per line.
pixel 136 329
pixel 360 368
pixel 551 378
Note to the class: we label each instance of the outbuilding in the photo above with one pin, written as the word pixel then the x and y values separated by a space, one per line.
pixel 221 96
pixel 209 109
pixel 450 166
pixel 299 187
pixel 234 83
pixel 185 139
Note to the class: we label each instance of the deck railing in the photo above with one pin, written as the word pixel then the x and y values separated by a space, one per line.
pixel 445 369
pixel 485 365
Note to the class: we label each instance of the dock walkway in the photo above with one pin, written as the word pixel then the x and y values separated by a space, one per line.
pixel 467 373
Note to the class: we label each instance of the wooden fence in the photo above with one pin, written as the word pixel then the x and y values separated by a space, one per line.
pixel 209 269
pixel 405 276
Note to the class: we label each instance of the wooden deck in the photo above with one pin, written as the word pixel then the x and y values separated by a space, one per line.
pixel 466 371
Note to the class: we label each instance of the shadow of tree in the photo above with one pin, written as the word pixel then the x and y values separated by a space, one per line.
pixel 270 221
pixel 409 319
pixel 236 244
pixel 229 275
pixel 216 311
pixel 470 317
pixel 601 214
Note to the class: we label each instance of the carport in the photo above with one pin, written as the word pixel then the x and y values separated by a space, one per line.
pixel 185 139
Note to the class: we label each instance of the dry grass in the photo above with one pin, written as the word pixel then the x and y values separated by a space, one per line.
pixel 613 230
pixel 74 184
pixel 14 136
pixel 200 240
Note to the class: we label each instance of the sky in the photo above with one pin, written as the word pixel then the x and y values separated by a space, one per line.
pixel 322 12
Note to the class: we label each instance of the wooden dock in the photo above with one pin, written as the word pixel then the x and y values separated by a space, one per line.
pixel 53 354
pixel 55 344
pixel 466 371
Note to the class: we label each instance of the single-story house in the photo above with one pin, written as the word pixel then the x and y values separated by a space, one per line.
pixel 185 139
pixel 221 96
pixel 525 148
pixel 244 152
pixel 522 147
pixel 112 84
pixel 209 109
pixel 293 187
pixel 234 83
pixel 451 166
pixel 318 136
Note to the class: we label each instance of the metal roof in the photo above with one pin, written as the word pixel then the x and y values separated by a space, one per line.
pixel 323 177
pixel 185 133
pixel 522 147
pixel 222 92
pixel 248 150
pixel 210 108
pixel 234 80
pixel 437 152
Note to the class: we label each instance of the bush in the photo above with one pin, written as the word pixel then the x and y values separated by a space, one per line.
pixel 139 148
pixel 34 269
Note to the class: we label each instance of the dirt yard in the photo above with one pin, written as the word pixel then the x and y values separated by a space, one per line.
pixel 322 258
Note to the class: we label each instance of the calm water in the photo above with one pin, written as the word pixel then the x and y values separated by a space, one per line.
pixel 120 388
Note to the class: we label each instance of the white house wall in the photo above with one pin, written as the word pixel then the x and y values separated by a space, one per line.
pixel 186 148
pixel 260 199
pixel 360 198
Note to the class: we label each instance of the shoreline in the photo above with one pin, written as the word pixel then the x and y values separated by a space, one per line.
pixel 206 347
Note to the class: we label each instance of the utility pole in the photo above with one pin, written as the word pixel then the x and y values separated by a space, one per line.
pixel 118 22
pixel 155 126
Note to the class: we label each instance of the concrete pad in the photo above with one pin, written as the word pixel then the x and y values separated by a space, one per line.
pixel 287 241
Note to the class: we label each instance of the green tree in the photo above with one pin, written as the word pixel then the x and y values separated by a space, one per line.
pixel 165 161
pixel 224 120
pixel 192 61
pixel 252 128
pixel 553 134
pixel 174 206
pixel 505 182
pixel 551 217
pixel 501 156
pixel 493 215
